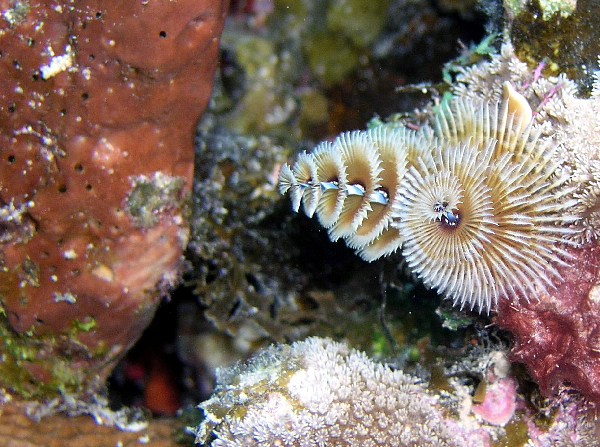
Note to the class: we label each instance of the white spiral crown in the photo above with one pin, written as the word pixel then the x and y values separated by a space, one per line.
pixel 474 202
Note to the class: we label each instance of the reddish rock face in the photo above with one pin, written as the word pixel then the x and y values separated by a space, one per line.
pixel 98 105
pixel 558 337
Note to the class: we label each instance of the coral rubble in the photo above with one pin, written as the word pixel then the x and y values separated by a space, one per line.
pixel 21 426
pixel 98 105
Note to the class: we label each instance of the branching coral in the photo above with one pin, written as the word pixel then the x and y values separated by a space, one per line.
pixel 480 213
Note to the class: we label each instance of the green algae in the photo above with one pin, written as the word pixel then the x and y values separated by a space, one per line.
pixel 548 8
pixel 84 325
pixel 330 56
pixel 359 20
pixel 16 13
pixel 30 367
pixel 567 44
pixel 516 433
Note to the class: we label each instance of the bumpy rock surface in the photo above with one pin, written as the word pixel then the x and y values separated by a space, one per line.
pixel 98 105
pixel 60 430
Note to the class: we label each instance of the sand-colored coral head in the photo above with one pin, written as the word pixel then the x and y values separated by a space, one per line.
pixel 322 393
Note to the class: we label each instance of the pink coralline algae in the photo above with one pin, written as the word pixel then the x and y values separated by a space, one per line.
pixel 558 336
pixel 499 404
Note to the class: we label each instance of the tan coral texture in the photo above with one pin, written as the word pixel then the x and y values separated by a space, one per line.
pixel 59 430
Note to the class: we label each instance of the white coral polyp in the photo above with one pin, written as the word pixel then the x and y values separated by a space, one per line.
pixel 378 406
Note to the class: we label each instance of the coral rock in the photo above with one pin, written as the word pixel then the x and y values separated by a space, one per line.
pixel 499 405
pixel 77 429
pixel 98 107
pixel 558 337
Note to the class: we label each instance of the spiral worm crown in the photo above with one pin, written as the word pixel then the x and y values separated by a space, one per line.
pixel 474 203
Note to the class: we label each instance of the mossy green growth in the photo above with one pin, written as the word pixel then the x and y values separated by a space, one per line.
pixel 359 20
pixel 291 14
pixel 516 433
pixel 16 13
pixel 562 7
pixel 566 44
pixel 469 57
pixel 548 8
pixel 84 325
pixel 452 319
pixel 39 366
pixel 257 56
pixel 313 109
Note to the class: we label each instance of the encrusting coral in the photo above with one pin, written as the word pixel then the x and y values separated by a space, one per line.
pixel 476 203
pixel 321 393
